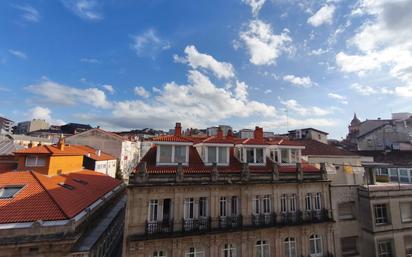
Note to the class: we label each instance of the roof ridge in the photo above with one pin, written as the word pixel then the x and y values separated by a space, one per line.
pixel 48 149
pixel 47 192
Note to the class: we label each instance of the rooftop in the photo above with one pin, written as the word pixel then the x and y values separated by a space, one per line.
pixel 313 147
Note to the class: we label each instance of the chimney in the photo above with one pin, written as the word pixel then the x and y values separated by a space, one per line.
pixel 258 133
pixel 219 133
pixel 178 129
pixel 39 144
pixel 98 152
pixel 30 145
pixel 229 134
pixel 60 144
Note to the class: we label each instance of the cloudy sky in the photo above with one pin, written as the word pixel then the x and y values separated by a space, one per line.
pixel 149 63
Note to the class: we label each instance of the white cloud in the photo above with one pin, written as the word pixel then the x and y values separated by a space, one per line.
pixel 293 123
pixel 384 43
pixel 342 99
pixel 140 91
pixel 85 9
pixel 263 46
pixel 368 90
pixel 29 13
pixel 299 81
pixel 267 91
pixel 255 5
pixel 90 60
pixel 205 61
pixel 295 107
pixel 43 113
pixel 54 92
pixel 323 16
pixel 149 44
pixel 109 88
pixel 318 51
pixel 18 53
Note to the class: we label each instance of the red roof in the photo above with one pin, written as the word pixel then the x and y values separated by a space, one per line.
pixel 254 141
pixel 93 155
pixel 172 138
pixel 217 140
pixel 196 165
pixel 313 147
pixel 42 198
pixel 52 150
pixel 284 141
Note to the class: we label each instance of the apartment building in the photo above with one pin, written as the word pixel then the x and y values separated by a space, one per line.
pixel 50 206
pixel 25 127
pixel 227 196
pixel 6 125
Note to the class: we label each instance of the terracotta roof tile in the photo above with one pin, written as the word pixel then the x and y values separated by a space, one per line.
pixel 52 150
pixel 172 138
pixel 93 155
pixel 313 147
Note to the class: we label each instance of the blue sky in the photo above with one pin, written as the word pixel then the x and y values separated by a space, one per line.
pixel 149 63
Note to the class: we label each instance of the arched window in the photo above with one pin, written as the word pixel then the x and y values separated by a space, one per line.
pixel 195 252
pixel 262 248
pixel 159 254
pixel 315 244
pixel 290 247
pixel 229 250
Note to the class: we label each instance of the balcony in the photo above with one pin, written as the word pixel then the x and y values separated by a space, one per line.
pixel 159 227
pixel 264 220
pixel 196 225
pixel 291 218
pixel 316 216
pixel 232 222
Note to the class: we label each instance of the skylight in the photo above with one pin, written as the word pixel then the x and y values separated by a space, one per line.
pixel 67 186
pixel 80 181
pixel 9 191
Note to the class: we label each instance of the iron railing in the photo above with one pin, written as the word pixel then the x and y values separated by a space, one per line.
pixel 230 222
pixel 159 227
pixel 196 225
pixel 264 220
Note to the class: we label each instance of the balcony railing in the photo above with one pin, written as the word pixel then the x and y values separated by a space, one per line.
pixel 291 218
pixel 196 225
pixel 159 227
pixel 230 222
pixel 264 220
pixel 316 216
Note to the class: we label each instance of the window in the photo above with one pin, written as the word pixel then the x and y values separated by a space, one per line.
pixel 385 248
pixel 180 154
pixel 259 155
pixel 165 154
pixel 262 248
pixel 346 210
pixel 318 201
pixel 159 254
pixel 403 175
pixel 406 211
pixel 9 191
pixel 256 205
pixel 211 154
pixel 290 247
pixel 349 246
pixel 283 203
pixel 266 204
pixel 315 245
pixel 308 202
pixel 153 210
pixel 67 186
pixel 195 252
pixel 234 208
pixel 35 161
pixel 292 203
pixel 381 214
pixel 393 174
pixel 203 207
pixel 229 250
pixel 223 205
pixel 223 155
pixel 250 155
pixel 284 153
pixel 189 208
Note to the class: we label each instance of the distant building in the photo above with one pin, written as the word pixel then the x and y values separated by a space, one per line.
pixel 74 128
pixel 246 133
pixel 52 134
pixel 53 207
pixel 212 131
pixel 6 125
pixel 25 141
pixel 309 133
pixel 25 127
pixel 97 160
pixel 125 150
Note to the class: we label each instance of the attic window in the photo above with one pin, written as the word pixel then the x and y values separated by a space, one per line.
pixel 67 186
pixel 35 161
pixel 9 191
pixel 80 181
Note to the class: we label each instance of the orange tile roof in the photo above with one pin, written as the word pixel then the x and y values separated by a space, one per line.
pixel 217 140
pixel 51 150
pixel 254 141
pixel 43 199
pixel 92 151
pixel 173 138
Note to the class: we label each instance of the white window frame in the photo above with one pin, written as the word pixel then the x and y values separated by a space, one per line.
pixel 308 202
pixel 243 157
pixel 223 207
pixel 172 157
pixel 292 203
pixel 386 252
pixel 229 250
pixel 153 211
pixel 189 208
pixel 217 149
pixel 266 206
pixel 36 162
pixel 203 201
pixel 262 244
pixel 159 253
pixel 314 240
pixel 378 210
pixel 318 201
pixel 194 252
pixel 290 244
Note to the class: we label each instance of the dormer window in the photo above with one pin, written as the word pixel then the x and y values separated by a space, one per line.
pixel 217 154
pixel 168 154
pixel 252 155
pixel 285 155
pixel 35 161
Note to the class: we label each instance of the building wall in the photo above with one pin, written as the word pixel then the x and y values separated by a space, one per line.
pixel 106 167
pixel 130 156
pixel 315 135
pixel 138 208
pixel 21 164
pixel 54 164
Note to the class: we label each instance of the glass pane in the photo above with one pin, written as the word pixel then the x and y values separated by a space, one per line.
pixel 284 155
pixel 41 161
pixel 223 155
pixel 259 155
pixel 250 155
pixel 180 154
pixel 165 153
pixel 30 161
pixel 266 251
pixel 211 154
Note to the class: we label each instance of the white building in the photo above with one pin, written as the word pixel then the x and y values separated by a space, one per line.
pixel 127 152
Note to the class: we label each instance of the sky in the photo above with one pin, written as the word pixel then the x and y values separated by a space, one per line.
pixel 280 64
